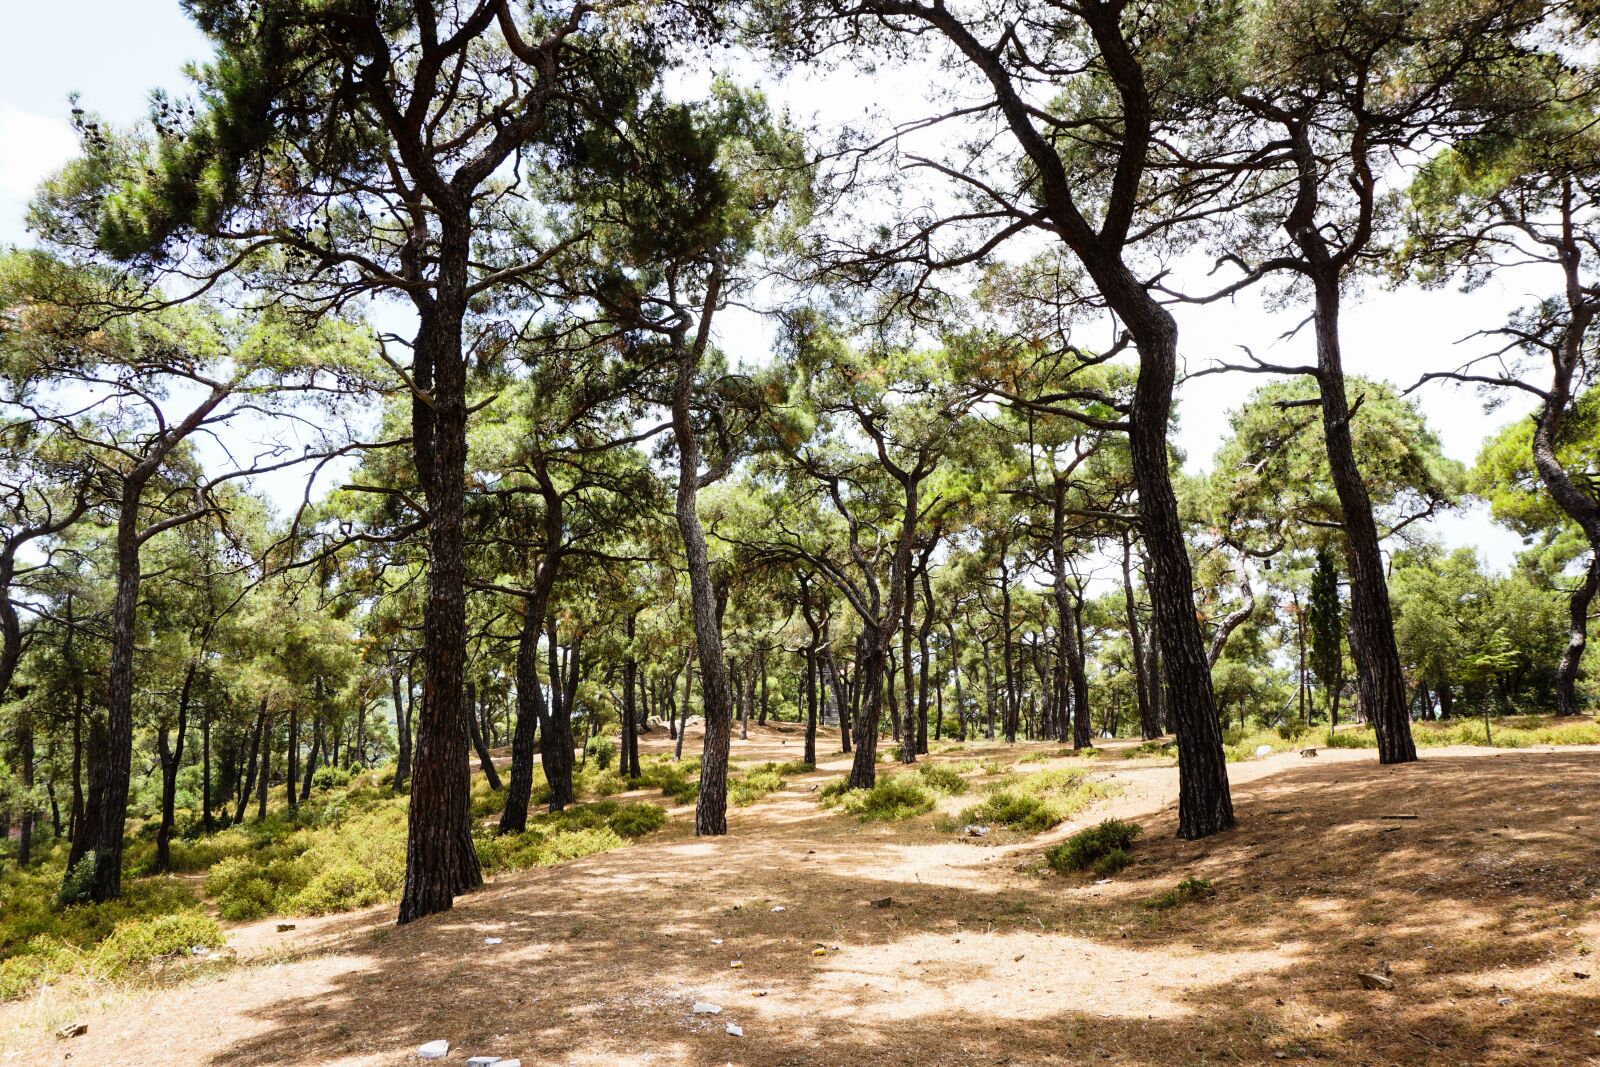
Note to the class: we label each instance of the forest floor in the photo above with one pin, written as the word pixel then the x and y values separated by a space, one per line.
pixel 1483 908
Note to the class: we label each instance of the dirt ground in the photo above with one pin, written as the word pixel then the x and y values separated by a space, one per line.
pixel 1483 908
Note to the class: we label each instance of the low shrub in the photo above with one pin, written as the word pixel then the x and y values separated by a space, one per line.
pixel 328 778
pixel 942 779
pixel 600 752
pixel 341 888
pixel 140 942
pixel 680 781
pixel 1033 803
pixel 1084 849
pixel 637 820
pixel 750 787
pixel 893 797
pixel 1190 889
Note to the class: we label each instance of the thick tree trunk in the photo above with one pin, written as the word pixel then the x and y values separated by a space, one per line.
pixel 106 810
pixel 440 858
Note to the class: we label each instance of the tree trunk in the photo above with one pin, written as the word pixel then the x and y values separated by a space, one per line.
pixel 1378 672
pixel 171 759
pixel 555 729
pixel 402 729
pixel 106 811
pixel 485 760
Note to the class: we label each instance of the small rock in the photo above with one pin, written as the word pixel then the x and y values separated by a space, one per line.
pixel 1504 1002
pixel 199 950
pixel 72 1030
pixel 1375 981
pixel 780 907
pixel 972 829
pixel 482 1061
pixel 434 1050
pixel 883 902
pixel 705 1007
pixel 1580 974
pixel 1308 753
pixel 735 1030
pixel 284 928
pixel 492 940
pixel 1263 750
pixel 716 940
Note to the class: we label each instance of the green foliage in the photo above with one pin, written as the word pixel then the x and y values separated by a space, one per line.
pixel 747 788
pixel 1086 849
pixel 1033 803
pixel 893 797
pixel 1186 891
pixel 1326 625
pixel 328 778
pixel 556 837
pixel 680 781
pixel 600 752
pixel 139 942
pixel 942 778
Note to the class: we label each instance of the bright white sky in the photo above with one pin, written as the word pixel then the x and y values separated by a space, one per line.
pixel 113 52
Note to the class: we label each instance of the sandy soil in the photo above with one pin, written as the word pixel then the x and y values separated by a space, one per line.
pixel 1483 908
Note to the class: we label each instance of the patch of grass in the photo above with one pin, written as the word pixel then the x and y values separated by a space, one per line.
pixel 1033 803
pixel 893 797
pixel 1186 891
pixel 1087 848
pixel 1043 757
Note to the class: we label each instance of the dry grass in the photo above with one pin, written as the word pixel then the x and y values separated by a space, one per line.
pixel 985 956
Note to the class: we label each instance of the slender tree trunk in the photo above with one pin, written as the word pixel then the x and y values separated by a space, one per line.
pixel 1378 671
pixel 485 759
pixel 308 779
pixel 402 728
pixel 555 730
pixel 248 772
pixel 171 760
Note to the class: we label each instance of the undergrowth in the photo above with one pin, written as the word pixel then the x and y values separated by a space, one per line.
pixel 1033 803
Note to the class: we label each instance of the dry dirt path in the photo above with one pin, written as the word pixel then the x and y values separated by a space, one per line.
pixel 1484 907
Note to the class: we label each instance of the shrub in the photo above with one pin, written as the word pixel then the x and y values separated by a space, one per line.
pixel 1084 849
pixel 942 779
pixel 1033 803
pixel 750 787
pixel 328 778
pixel 1189 889
pixel 139 942
pixel 680 781
pixel 78 883
pixel 342 888
pixel 1112 862
pixel 897 796
pixel 600 752
pixel 636 820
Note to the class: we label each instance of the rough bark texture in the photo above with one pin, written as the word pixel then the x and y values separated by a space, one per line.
pixel 440 859
pixel 711 810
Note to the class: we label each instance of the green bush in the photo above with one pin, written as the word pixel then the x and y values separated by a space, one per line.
pixel 751 786
pixel 1189 889
pixel 680 781
pixel 1084 849
pixel 140 942
pixel 1033 803
pixel 328 778
pixel 1112 862
pixel 942 779
pixel 342 888
pixel 637 820
pixel 896 796
pixel 78 883
pixel 600 752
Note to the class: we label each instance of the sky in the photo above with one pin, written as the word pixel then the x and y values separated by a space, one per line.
pixel 114 52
